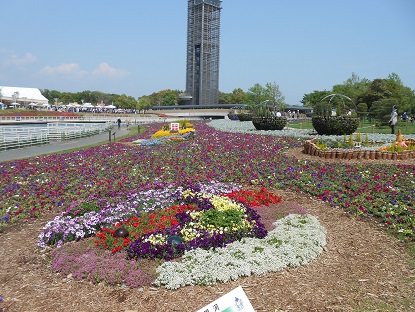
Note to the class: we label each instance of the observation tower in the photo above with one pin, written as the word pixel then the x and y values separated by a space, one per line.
pixel 202 62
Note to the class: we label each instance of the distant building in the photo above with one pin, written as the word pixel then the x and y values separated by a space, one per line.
pixel 202 66
pixel 21 97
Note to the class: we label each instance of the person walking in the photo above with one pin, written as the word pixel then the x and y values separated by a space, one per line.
pixel 119 123
pixel 394 119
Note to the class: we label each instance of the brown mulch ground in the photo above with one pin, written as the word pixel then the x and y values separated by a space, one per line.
pixel 361 269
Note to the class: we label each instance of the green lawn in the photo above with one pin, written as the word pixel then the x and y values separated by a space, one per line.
pixel 365 127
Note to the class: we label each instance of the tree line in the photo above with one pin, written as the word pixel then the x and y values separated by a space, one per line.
pixel 374 98
pixel 257 94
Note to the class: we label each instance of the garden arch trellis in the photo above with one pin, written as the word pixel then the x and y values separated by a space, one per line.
pixel 342 97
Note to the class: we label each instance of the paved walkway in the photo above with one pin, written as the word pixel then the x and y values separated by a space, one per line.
pixel 59 146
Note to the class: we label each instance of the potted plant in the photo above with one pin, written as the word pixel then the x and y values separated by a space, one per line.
pixel 265 117
pixel 343 122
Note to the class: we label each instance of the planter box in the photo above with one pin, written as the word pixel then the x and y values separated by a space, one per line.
pixel 311 149
pixel 269 123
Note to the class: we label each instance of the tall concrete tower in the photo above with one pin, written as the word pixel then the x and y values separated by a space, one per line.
pixel 202 66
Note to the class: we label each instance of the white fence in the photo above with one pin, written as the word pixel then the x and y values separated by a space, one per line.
pixel 134 119
pixel 12 137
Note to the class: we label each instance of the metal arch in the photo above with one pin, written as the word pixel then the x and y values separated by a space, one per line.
pixel 331 96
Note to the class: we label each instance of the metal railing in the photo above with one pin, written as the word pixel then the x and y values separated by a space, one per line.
pixel 93 118
pixel 12 137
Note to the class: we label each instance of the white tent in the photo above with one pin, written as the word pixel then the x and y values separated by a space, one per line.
pixel 24 95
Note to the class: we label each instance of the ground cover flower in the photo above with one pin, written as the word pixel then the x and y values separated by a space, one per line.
pixel 296 240
pixel 84 261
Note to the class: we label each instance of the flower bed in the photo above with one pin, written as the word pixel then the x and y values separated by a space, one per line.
pixel 207 222
pixel 124 182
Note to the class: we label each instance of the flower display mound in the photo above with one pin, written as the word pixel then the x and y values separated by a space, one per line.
pixel 296 240
pixel 204 224
pixel 184 127
pixel 140 211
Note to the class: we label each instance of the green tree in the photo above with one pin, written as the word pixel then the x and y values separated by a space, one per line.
pixel 169 97
pixel 144 103
pixel 404 95
pixel 354 88
pixel 224 98
pixel 274 96
pixel 362 110
pixel 380 110
pixel 378 90
pixel 257 94
pixel 237 96
pixel 164 97
pixel 315 97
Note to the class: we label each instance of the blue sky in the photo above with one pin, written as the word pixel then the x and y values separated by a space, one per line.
pixel 138 47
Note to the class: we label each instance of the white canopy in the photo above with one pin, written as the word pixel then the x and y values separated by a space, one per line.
pixel 24 95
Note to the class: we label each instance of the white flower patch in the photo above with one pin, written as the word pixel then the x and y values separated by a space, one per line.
pixel 248 127
pixel 296 240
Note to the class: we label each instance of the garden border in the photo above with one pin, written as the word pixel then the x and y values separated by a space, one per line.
pixel 312 149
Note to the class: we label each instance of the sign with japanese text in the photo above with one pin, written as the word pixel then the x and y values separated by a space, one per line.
pixel 234 301
pixel 174 126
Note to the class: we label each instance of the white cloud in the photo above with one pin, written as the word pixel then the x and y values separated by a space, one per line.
pixel 15 60
pixel 104 69
pixel 71 69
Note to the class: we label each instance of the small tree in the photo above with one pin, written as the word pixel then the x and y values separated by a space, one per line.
pixel 381 110
pixel 274 96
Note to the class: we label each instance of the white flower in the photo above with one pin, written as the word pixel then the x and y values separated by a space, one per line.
pixel 296 240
